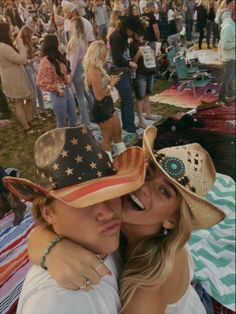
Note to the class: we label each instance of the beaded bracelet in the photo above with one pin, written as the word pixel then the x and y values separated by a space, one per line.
pixel 47 250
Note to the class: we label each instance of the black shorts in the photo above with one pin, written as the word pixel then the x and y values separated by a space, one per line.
pixel 103 110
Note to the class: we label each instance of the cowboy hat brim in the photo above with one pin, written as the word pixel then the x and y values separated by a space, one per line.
pixel 130 175
pixel 205 214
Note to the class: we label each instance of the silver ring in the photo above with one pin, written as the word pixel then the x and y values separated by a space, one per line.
pixel 99 266
pixel 86 282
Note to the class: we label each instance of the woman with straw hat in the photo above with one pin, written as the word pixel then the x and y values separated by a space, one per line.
pixel 157 221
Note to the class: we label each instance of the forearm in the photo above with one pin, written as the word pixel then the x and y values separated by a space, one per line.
pixel 38 240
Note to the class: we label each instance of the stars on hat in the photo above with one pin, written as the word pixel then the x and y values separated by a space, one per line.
pixel 83 130
pixel 109 164
pixel 55 166
pixel 93 165
pixel 50 180
pixel 100 156
pixel 69 171
pixel 88 148
pixel 79 159
pixel 64 153
pixel 74 141
pixel 99 174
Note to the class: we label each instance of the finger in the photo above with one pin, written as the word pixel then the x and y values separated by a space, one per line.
pixel 101 269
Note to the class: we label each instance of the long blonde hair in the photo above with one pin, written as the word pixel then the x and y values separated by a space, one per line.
pixel 152 260
pixel 92 58
pixel 77 34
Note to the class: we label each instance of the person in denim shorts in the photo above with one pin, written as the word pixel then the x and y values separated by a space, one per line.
pixel 144 79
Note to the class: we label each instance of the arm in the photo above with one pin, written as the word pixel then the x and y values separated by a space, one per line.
pixel 15 57
pixel 74 58
pixel 67 262
pixel 96 80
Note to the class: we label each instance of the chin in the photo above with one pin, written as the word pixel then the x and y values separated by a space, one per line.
pixel 109 247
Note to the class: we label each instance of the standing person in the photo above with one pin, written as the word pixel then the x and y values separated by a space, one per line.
pixel 100 84
pixel 99 10
pixel 152 30
pixel 59 21
pixel 201 21
pixel 18 90
pixel 157 221
pixel 13 16
pixel 76 50
pixel 189 9
pixel 123 63
pixel 174 36
pixel 227 48
pixel 26 34
pixel 144 77
pixel 211 28
pixel 53 77
pixel 226 12
pixel 69 190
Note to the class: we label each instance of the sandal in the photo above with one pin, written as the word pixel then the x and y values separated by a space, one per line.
pixel 29 131
pixel 150 118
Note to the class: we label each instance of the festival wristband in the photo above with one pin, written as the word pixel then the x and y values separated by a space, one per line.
pixel 47 250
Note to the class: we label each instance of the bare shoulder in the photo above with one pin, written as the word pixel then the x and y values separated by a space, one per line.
pixel 145 301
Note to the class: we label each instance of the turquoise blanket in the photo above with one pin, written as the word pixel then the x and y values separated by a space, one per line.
pixel 213 249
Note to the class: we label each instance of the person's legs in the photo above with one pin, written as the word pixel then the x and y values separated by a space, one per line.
pixel 208 32
pixel 140 90
pixel 215 34
pixel 29 110
pixel 20 113
pixel 230 88
pixel 78 82
pixel 107 133
pixel 117 138
pixel 201 36
pixel 189 26
pixel 71 108
pixel 59 106
pixel 227 83
pixel 149 87
pixel 127 103
pixel 40 99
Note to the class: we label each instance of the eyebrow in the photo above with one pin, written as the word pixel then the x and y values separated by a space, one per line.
pixel 172 187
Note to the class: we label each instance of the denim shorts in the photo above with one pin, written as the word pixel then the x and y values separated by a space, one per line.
pixel 143 85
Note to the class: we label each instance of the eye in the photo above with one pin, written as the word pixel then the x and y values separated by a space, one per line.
pixel 165 192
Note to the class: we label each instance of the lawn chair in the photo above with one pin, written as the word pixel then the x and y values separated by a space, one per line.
pixel 185 78
pixel 171 54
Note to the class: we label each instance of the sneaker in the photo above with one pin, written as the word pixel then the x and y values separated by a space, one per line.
pixel 29 131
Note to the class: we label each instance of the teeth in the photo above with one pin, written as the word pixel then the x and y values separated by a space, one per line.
pixel 137 201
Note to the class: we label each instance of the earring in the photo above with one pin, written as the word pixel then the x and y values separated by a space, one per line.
pixel 165 232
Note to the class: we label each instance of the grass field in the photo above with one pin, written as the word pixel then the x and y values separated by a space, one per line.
pixel 16 148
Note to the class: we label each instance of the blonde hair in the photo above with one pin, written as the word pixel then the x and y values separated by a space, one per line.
pixel 92 58
pixel 26 34
pixel 115 20
pixel 77 34
pixel 152 260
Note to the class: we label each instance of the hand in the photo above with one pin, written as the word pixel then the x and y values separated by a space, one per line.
pixel 68 79
pixel 60 91
pixel 69 264
pixel 114 79
pixel 133 65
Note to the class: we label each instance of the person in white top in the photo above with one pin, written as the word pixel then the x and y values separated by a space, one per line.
pixel 157 221
pixel 77 183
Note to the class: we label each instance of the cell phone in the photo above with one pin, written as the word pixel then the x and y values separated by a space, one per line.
pixel 119 74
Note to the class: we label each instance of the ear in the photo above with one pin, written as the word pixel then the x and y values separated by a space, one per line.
pixel 169 223
pixel 48 213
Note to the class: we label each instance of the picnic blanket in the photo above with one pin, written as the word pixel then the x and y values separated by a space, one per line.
pixel 212 249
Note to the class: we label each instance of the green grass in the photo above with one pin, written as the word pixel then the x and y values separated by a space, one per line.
pixel 17 149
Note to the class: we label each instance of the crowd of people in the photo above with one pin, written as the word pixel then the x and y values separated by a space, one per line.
pixel 46 48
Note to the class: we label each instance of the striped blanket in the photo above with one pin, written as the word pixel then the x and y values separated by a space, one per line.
pixel 212 249
pixel 14 261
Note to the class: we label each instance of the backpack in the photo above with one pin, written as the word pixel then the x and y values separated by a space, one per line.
pixel 149 59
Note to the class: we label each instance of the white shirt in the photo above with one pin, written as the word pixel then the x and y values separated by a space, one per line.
pixel 87 25
pixel 42 295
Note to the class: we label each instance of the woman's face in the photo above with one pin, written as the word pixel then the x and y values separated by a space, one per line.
pixel 156 202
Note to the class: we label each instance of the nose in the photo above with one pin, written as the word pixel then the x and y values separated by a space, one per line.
pixel 145 189
pixel 108 210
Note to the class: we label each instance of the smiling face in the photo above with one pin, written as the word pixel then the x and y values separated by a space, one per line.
pixel 95 227
pixel 152 207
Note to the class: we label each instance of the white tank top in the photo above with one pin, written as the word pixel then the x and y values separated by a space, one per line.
pixel 190 302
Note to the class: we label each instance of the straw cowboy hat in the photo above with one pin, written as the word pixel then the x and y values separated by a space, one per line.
pixel 74 169
pixel 191 170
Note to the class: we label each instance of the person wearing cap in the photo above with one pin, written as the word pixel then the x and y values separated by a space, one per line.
pixel 121 60
pixel 157 221
pixel 76 182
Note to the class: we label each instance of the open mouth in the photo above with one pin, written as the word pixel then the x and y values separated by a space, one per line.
pixel 135 203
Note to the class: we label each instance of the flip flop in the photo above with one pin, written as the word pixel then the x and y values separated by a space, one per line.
pixel 150 118
pixel 142 125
